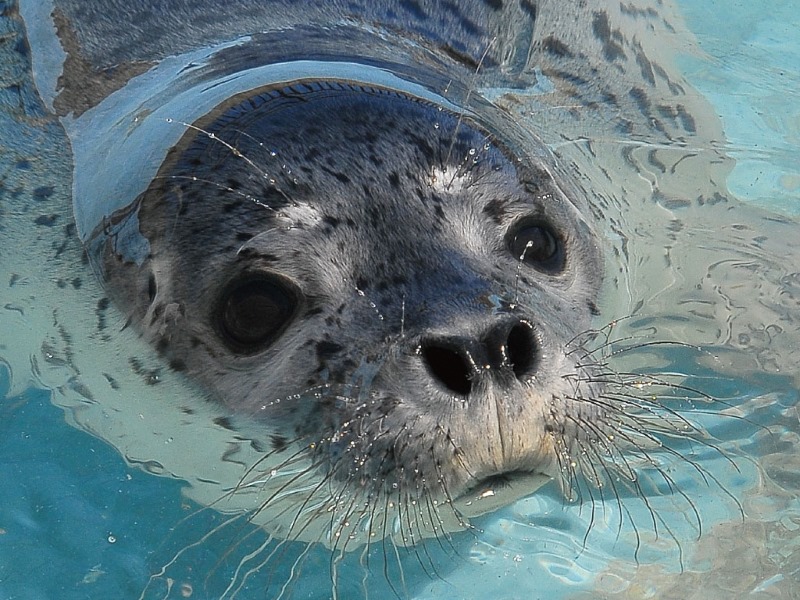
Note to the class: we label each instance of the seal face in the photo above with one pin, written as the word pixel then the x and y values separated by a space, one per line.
pixel 384 283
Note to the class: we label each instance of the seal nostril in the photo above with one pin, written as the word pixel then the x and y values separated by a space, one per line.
pixel 448 367
pixel 521 349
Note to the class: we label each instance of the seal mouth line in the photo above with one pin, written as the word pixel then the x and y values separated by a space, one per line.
pixel 498 489
pixel 501 431
pixel 496 481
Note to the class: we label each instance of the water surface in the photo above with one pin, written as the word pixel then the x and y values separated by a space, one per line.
pixel 76 521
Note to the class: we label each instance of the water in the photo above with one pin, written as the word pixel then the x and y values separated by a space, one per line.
pixel 750 68
pixel 76 521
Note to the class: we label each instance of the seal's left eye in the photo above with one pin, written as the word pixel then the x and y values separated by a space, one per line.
pixel 536 244
pixel 253 311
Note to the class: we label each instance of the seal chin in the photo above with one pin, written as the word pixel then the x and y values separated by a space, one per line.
pixel 498 490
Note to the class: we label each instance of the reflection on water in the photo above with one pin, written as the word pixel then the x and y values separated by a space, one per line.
pixel 721 523
pixel 751 63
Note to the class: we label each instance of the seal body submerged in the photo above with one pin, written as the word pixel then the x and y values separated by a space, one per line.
pixel 377 263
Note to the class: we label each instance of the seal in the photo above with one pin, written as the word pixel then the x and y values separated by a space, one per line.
pixel 394 288
pixel 367 279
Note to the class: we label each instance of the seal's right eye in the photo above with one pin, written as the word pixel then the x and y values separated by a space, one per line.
pixel 253 311
pixel 536 244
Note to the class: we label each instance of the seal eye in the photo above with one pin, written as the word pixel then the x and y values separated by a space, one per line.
pixel 537 245
pixel 252 312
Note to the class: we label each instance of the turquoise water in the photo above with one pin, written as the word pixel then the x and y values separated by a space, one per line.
pixel 77 522
pixel 751 75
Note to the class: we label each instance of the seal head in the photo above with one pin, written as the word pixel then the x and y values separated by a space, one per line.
pixel 384 285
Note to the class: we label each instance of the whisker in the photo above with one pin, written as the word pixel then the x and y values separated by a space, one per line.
pixel 238 154
pixel 473 86
pixel 232 585
pixel 295 571
pixel 219 186
pixel 162 572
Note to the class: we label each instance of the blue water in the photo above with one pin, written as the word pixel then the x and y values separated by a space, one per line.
pixel 77 522
pixel 752 78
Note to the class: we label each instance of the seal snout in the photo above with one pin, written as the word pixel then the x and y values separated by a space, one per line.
pixel 455 362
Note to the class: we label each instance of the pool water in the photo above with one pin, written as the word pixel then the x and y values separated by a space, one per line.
pixel 750 74
pixel 76 521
